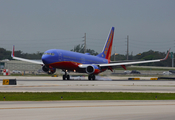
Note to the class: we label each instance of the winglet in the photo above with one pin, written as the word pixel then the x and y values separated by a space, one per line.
pixel 13 52
pixel 166 55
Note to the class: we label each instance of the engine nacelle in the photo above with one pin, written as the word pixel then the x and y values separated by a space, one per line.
pixel 48 69
pixel 93 69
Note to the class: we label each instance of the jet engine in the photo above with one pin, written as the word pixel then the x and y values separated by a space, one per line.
pixel 93 69
pixel 48 69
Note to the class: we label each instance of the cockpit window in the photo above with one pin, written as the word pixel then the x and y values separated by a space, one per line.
pixel 52 54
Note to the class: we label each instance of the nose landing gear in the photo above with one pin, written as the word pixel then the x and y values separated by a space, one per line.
pixel 66 76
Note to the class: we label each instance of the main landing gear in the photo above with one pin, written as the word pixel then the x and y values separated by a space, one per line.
pixel 91 77
pixel 66 76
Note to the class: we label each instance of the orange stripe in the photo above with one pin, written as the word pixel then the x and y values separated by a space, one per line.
pixel 108 55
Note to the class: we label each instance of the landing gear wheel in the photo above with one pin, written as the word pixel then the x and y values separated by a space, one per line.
pixel 64 77
pixel 68 77
pixel 91 77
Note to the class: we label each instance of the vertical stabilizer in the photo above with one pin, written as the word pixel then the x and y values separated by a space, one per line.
pixel 106 52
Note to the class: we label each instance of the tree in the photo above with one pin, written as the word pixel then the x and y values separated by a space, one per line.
pixel 80 49
pixel 4 54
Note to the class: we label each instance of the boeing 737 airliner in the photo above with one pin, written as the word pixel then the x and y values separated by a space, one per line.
pixel 83 63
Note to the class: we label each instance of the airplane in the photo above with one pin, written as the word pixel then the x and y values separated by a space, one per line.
pixel 82 63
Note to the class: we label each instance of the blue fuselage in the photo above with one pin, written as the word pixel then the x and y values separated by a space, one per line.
pixel 69 60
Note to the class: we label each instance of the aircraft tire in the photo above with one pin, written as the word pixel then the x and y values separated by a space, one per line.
pixel 68 77
pixel 89 77
pixel 93 77
pixel 64 77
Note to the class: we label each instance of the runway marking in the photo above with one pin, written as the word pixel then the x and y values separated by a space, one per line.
pixel 152 85
pixel 82 85
pixel 85 106
pixel 29 86
pixel 44 86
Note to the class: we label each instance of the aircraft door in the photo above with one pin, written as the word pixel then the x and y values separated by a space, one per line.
pixel 59 56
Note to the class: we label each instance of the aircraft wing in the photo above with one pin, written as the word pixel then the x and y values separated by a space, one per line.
pixel 135 62
pixel 23 59
pixel 126 63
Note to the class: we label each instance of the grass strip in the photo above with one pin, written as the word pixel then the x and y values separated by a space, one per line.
pixel 27 96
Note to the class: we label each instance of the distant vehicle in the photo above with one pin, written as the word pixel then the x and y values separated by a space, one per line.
pixel 135 72
pixel 167 73
pixel 127 72
pixel 16 71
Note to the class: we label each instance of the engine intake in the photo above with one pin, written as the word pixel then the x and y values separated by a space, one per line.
pixel 48 69
pixel 93 69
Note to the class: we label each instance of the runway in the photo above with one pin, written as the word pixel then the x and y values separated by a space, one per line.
pixel 50 84
pixel 88 110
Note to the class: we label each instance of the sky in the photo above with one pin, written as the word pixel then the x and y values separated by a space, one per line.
pixel 38 25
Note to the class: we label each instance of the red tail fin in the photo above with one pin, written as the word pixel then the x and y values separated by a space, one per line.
pixel 106 53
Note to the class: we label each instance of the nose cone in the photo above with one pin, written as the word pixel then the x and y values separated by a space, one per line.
pixel 45 59
pixel 49 57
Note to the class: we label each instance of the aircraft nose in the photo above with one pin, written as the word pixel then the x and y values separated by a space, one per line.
pixel 45 59
pixel 49 57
